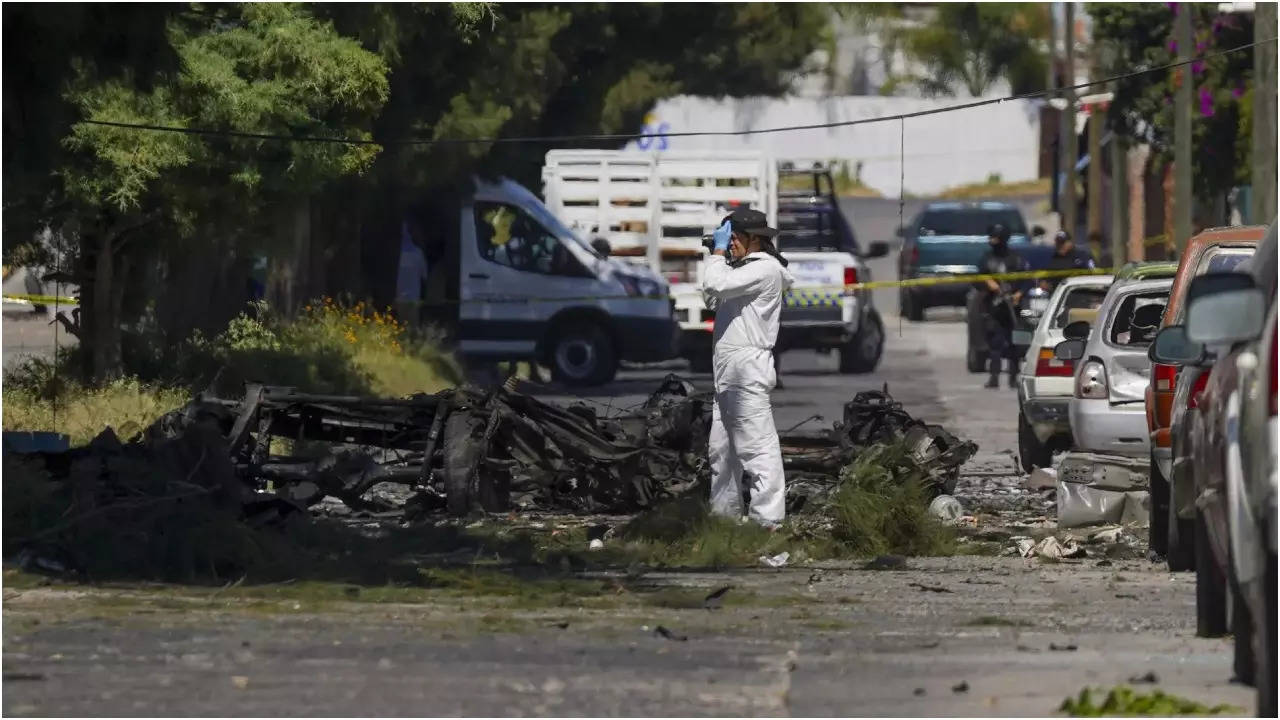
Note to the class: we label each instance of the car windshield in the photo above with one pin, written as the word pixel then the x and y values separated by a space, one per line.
pixel 1080 298
pixel 969 221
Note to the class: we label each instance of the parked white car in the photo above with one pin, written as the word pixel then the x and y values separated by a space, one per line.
pixel 1046 383
pixel 1107 411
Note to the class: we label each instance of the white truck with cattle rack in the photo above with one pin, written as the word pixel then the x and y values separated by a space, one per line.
pixel 654 208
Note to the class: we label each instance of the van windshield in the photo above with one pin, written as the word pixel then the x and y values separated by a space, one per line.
pixel 969 221
pixel 559 229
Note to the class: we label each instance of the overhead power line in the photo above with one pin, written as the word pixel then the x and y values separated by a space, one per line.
pixel 602 137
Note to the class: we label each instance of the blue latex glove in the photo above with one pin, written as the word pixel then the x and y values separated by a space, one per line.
pixel 722 236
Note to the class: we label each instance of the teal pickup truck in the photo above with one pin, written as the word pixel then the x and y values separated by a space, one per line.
pixel 950 238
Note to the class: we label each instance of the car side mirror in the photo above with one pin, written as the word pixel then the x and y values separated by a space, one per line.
pixel 876 249
pixel 1037 231
pixel 1069 350
pixel 601 246
pixel 1078 330
pixel 1173 347
pixel 1226 317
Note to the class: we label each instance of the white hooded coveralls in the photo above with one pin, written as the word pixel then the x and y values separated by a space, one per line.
pixel 747 300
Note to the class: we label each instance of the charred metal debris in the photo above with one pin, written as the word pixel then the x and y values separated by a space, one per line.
pixel 277 450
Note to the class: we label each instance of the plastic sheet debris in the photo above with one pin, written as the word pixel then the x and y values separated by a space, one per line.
pixel 946 508
pixel 777 561
pixel 596 544
pixel 1051 548
pixel 1042 479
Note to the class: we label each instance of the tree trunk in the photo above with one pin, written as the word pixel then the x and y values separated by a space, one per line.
pixel 102 335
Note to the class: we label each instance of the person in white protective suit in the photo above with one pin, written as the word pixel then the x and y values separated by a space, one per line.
pixel 746 295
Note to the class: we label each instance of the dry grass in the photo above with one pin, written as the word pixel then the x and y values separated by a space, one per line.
pixel 994 188
pixel 127 406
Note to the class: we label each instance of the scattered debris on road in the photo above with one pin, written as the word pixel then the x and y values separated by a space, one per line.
pixel 776 561
pixel 715 600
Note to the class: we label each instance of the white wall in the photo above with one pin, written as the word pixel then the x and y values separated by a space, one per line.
pixel 941 151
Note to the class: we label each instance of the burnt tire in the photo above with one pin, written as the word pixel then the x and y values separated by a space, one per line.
pixel 862 353
pixel 1031 452
pixel 463 439
pixel 582 355
pixel 1211 587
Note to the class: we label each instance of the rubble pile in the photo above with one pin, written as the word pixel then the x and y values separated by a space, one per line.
pixel 276 452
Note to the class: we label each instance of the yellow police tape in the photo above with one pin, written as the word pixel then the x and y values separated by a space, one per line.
pixel 809 293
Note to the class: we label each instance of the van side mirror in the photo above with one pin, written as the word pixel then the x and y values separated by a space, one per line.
pixel 876 249
pixel 601 246
pixel 1069 350
pixel 1078 330
pixel 1173 347
pixel 1037 231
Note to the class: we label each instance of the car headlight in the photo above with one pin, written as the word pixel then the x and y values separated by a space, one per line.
pixel 1091 381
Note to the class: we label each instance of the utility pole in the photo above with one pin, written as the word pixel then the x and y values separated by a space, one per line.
pixel 1072 153
pixel 1264 113
pixel 1055 165
pixel 1182 194
pixel 1095 152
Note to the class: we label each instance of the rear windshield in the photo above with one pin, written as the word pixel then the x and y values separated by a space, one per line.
pixel 1081 298
pixel 969 221
pixel 1224 259
pixel 1127 333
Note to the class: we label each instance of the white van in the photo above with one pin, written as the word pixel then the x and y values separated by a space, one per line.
pixel 531 289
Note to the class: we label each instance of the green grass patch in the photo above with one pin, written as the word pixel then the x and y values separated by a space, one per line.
pixel 1123 701
pixel 882 507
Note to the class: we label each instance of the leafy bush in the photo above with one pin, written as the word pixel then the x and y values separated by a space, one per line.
pixel 882 506
pixel 331 347
pixel 1124 701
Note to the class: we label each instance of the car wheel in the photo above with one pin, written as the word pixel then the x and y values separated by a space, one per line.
pixel 700 362
pixel 862 353
pixel 1242 636
pixel 1158 525
pixel 1211 586
pixel 976 360
pixel 1265 630
pixel 583 355
pixel 1180 539
pixel 1031 451
pixel 910 306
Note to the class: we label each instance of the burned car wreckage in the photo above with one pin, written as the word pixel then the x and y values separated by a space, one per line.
pixel 501 450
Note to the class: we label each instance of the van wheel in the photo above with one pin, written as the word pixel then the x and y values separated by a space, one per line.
pixel 1031 451
pixel 862 353
pixel 1211 586
pixel 583 355
pixel 700 362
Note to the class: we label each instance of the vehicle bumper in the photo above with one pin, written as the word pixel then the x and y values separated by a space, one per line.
pixel 1098 426
pixel 825 326
pixel 647 339
pixel 1048 417
pixel 951 294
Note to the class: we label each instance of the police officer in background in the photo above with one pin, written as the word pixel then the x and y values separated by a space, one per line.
pixel 1000 303
pixel 1065 257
